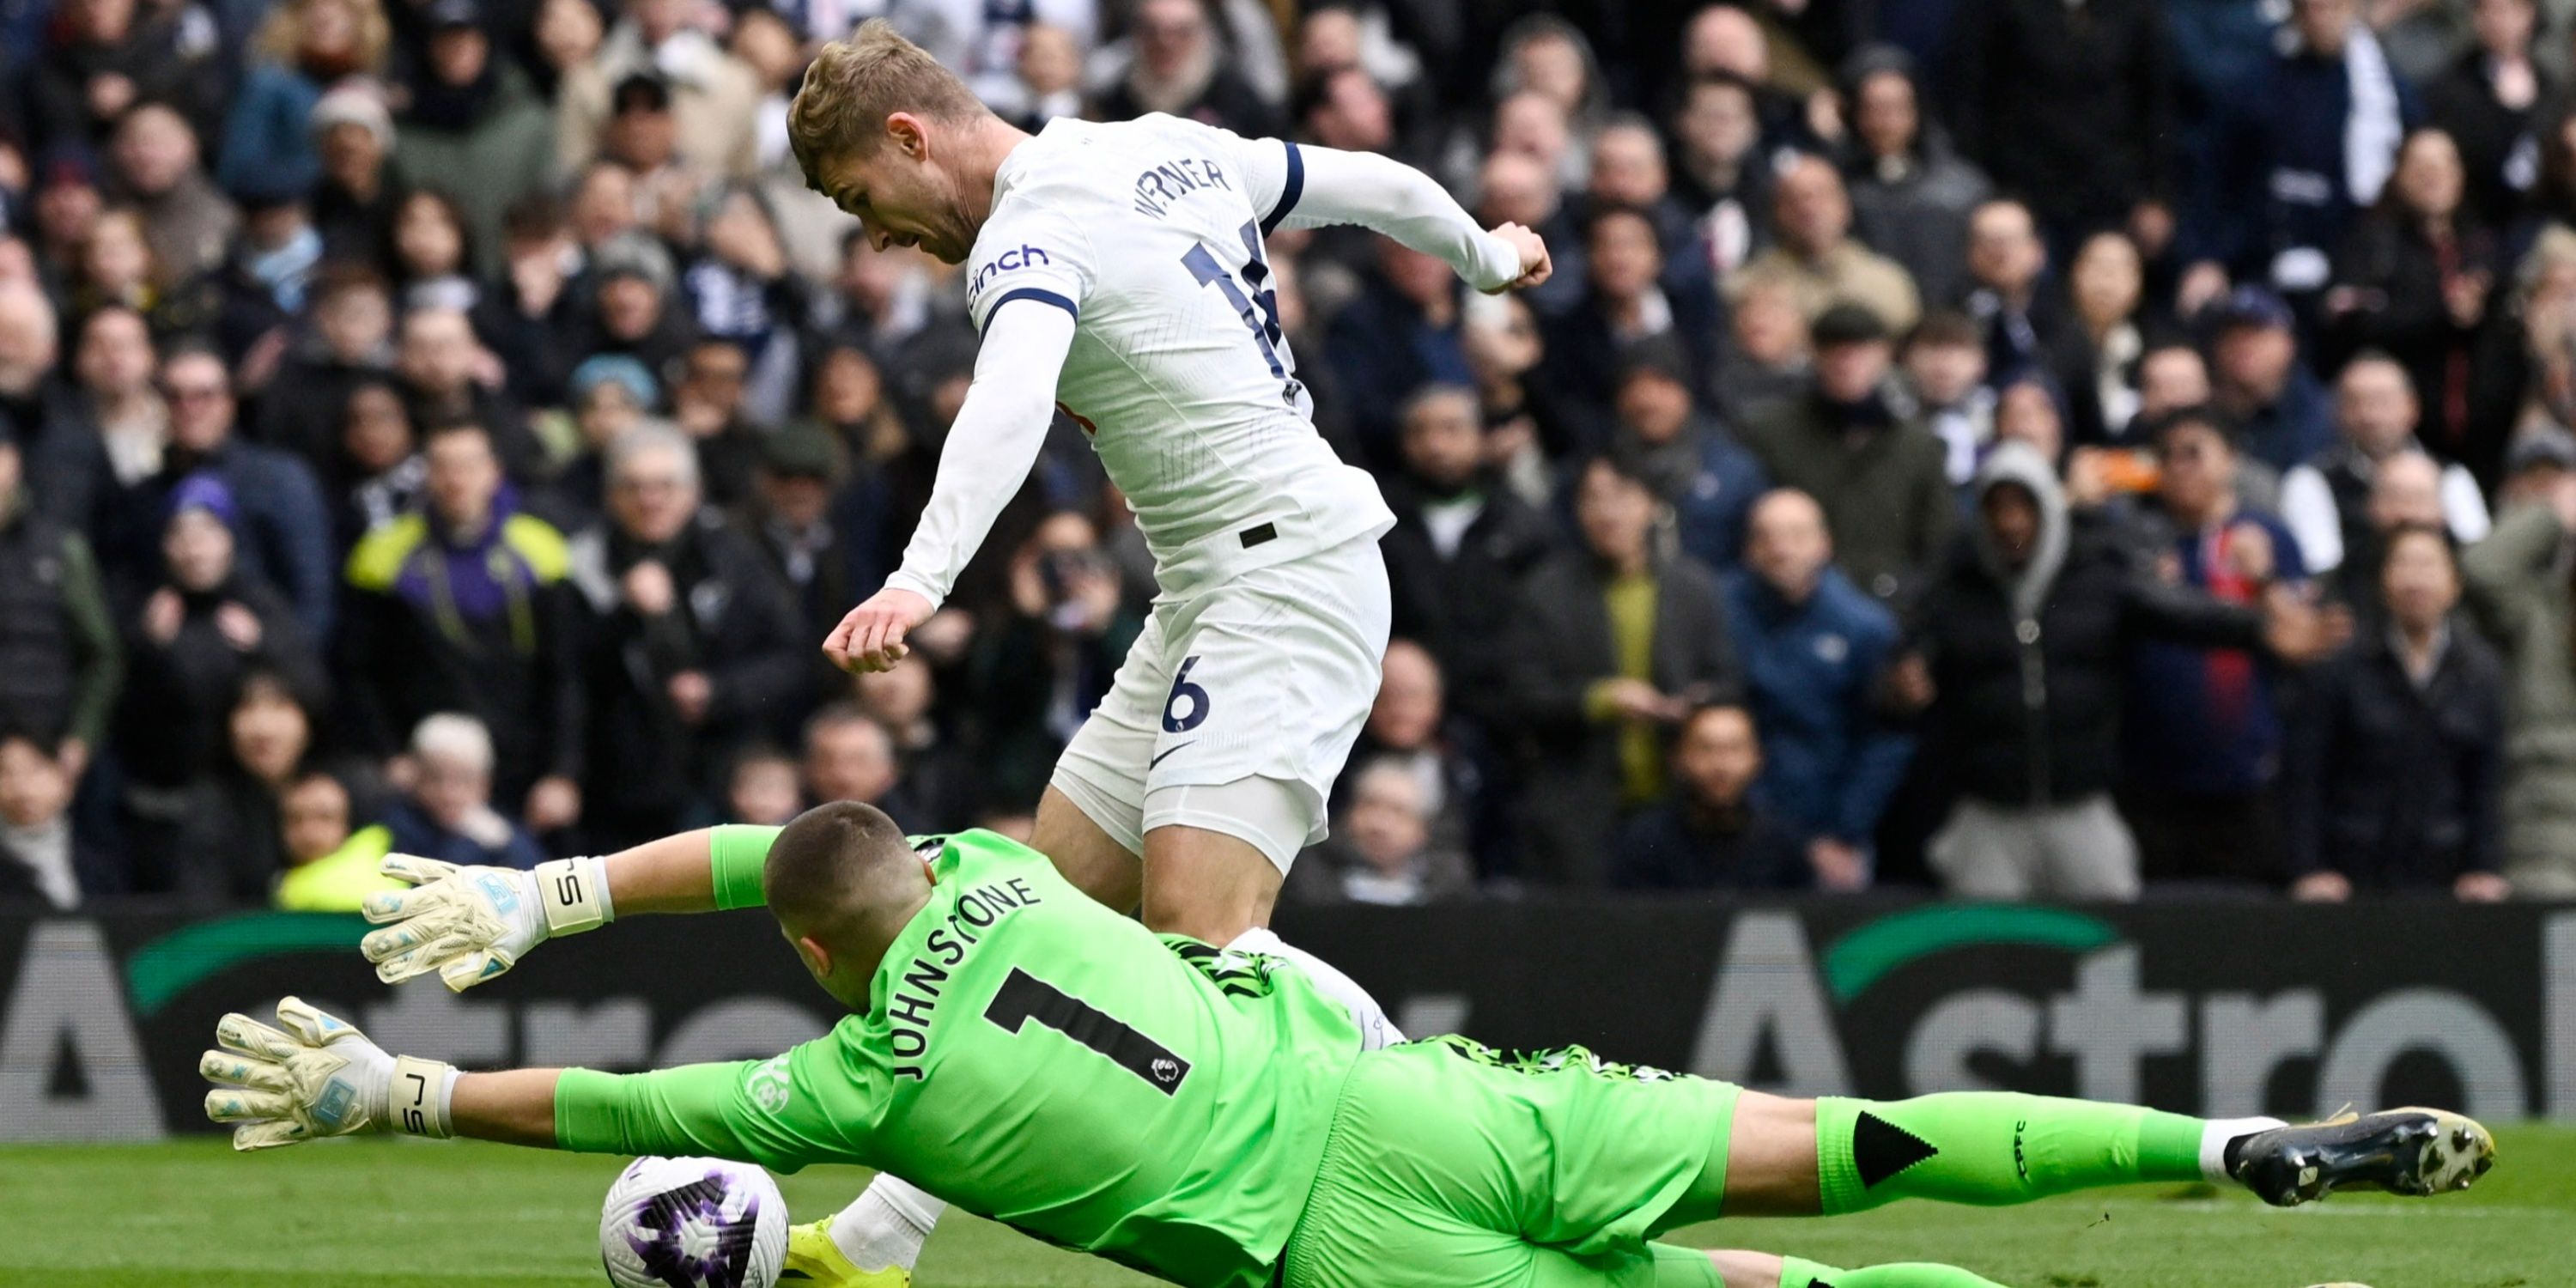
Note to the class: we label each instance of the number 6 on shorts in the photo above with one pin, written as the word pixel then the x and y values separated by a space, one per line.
pixel 1177 719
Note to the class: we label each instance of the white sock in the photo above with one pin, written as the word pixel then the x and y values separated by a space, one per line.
pixel 2214 1135
pixel 885 1225
pixel 1376 1030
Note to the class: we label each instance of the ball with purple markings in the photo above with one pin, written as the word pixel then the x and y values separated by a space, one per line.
pixel 693 1223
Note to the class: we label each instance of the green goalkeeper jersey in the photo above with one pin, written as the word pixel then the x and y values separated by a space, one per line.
pixel 1033 1057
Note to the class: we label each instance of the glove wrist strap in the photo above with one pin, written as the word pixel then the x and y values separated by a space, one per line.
pixel 422 1093
pixel 574 894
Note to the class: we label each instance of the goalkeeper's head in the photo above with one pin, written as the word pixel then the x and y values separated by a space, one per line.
pixel 842 881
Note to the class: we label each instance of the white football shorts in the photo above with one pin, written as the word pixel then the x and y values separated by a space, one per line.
pixel 1266 676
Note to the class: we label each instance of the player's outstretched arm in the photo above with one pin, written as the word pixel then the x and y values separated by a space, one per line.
pixel 471 924
pixel 989 452
pixel 1363 188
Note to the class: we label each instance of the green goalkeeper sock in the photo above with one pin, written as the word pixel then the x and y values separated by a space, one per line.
pixel 1795 1273
pixel 1992 1148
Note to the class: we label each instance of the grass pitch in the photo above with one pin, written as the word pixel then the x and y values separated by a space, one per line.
pixel 408 1214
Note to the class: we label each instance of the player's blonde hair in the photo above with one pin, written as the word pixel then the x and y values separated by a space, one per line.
pixel 854 84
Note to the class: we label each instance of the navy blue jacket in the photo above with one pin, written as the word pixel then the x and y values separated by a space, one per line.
pixel 1811 670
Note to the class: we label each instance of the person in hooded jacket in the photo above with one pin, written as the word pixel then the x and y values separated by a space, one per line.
pixel 2017 658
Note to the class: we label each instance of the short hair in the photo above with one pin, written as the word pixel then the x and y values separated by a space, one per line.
pixel 1946 328
pixel 459 425
pixel 650 437
pixel 855 84
pixel 1707 709
pixel 842 713
pixel 452 735
pixel 820 864
pixel 1428 394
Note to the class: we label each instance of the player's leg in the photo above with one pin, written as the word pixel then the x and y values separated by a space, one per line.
pixel 1738 1269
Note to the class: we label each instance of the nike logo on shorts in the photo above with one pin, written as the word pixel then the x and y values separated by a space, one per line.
pixel 1167 751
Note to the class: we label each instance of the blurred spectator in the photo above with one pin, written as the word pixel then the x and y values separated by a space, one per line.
pixel 1515 187
pixel 2412 279
pixel 30 399
pixel 107 436
pixel 1383 850
pixel 449 814
pixel 331 862
pixel 187 221
pixel 190 646
pixel 346 342
pixel 304 48
pixel 1524 421
pixel 1816 255
pixel 2258 380
pixel 706 403
pixel 235 833
pixel 2394 767
pixel 1588 345
pixel 353 197
pixel 1041 667
pixel 473 126
pixel 104 58
pixel 434 254
pixel 2320 131
pixel 2204 729
pixel 763 788
pixel 712 93
pixel 849 757
pixel 1911 193
pixel 2107 285
pixel 1944 361
pixel 2519 585
pixel 1402 333
pixel 1409 727
pixel 939 775
pixel 463 606
pixel 806 532
pixel 1694 465
pixel 271 496
pixel 44 862
pixel 690 645
pixel 2028 326
pixel 2073 107
pixel 1720 175
pixel 2021 653
pixel 1612 646
pixel 1628 170
pixel 1845 441
pixel 60 666
pixel 1180 67
pixel 1813 648
pixel 1765 354
pixel 373 468
pixel 1460 545
pixel 2489 102
pixel 1712 834
pixel 2325 501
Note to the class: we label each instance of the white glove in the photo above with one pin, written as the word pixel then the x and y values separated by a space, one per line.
pixel 470 924
pixel 319 1077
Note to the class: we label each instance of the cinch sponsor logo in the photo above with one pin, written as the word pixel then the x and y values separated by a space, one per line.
pixel 1007 261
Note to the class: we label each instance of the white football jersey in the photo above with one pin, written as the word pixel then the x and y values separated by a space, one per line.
pixel 1149 232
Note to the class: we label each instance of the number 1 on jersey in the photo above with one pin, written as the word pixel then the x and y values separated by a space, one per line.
pixel 1262 318
pixel 1024 997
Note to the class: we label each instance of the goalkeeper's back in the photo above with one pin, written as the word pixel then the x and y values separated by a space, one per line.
pixel 1031 1056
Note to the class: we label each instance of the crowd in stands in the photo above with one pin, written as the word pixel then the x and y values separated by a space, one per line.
pixel 2029 448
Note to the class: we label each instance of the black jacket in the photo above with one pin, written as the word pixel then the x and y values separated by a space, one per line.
pixel 2069 104
pixel 1559 646
pixel 2027 706
pixel 1460 607
pixel 2393 786
pixel 1670 847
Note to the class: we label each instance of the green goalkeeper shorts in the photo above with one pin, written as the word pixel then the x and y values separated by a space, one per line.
pixel 1450 1165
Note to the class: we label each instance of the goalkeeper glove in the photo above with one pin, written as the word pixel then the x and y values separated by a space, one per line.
pixel 317 1077
pixel 470 924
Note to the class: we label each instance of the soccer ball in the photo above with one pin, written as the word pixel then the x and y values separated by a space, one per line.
pixel 693 1223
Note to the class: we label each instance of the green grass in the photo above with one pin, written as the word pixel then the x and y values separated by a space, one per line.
pixel 403 1214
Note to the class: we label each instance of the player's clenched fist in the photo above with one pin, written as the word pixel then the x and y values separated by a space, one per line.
pixel 316 1076
pixel 1533 251
pixel 470 924
pixel 871 637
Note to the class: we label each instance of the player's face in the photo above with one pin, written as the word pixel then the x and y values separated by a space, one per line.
pixel 900 195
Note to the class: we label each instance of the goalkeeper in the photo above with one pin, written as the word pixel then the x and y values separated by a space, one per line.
pixel 1025 1053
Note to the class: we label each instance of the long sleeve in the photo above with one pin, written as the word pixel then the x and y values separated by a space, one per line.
pixel 737 852
pixel 709 1109
pixel 100 674
pixel 1327 186
pixel 1880 751
pixel 995 441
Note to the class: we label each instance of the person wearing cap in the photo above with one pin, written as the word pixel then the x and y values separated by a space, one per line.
pixel 1815 254
pixel 462 606
pixel 1707 477
pixel 60 664
pixel 353 196
pixel 801 517
pixel 304 49
pixel 1850 441
pixel 2259 383
pixel 474 127
pixel 2539 458
pixel 198 634
pixel 714 95
pixel 2204 729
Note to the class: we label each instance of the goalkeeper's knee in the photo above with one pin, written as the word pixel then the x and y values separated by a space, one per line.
pixel 1795 1273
